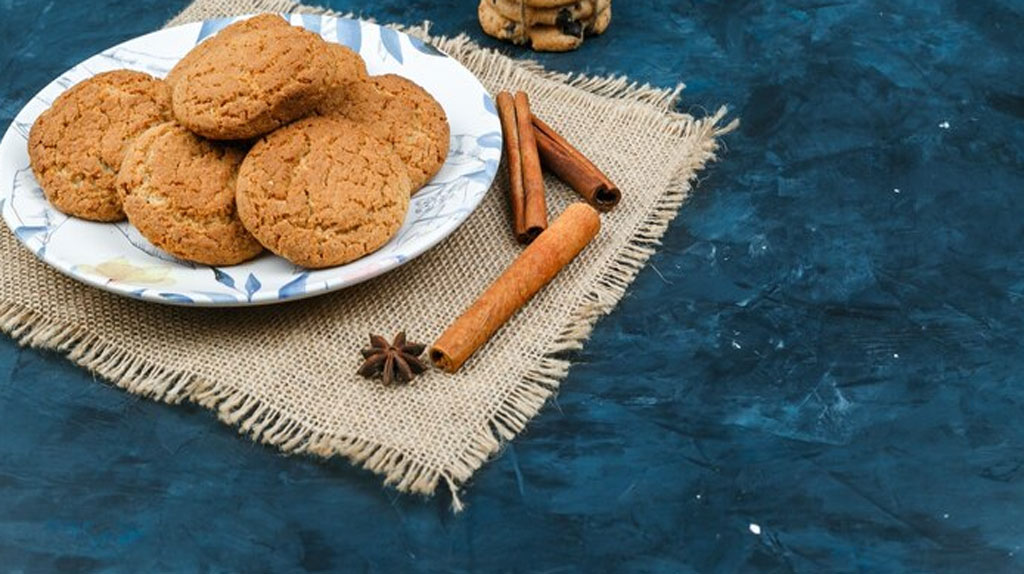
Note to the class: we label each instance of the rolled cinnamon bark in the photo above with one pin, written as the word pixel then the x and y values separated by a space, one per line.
pixel 533 269
pixel 572 167
pixel 513 159
pixel 525 177
pixel 536 212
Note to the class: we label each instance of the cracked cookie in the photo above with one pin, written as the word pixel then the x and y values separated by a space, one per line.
pixel 322 192
pixel 178 190
pixel 351 70
pixel 262 22
pixel 400 112
pixel 351 66
pixel 76 146
pixel 251 78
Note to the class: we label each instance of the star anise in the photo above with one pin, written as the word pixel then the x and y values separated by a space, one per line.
pixel 395 362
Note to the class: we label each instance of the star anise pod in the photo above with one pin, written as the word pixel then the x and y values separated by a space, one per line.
pixel 396 362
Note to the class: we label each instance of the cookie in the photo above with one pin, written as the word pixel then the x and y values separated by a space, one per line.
pixel 262 22
pixel 496 25
pixel 351 66
pixel 540 37
pixel 351 69
pixel 77 145
pixel 548 3
pixel 555 39
pixel 178 190
pixel 601 21
pixel 254 77
pixel 322 192
pixel 561 15
pixel 398 111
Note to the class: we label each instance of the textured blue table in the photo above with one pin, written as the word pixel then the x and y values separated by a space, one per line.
pixel 821 371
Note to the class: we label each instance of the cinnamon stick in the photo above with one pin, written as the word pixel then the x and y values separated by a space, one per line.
pixel 537 265
pixel 533 177
pixel 526 180
pixel 572 167
pixel 516 193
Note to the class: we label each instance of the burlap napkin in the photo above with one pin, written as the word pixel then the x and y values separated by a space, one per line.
pixel 285 374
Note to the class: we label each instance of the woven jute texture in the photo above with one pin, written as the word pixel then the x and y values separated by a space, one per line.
pixel 285 374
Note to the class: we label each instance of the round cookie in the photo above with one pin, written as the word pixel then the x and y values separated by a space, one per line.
pixel 76 146
pixel 322 192
pixel 557 38
pixel 351 69
pixel 496 25
pixel 261 22
pixel 561 15
pixel 178 190
pixel 253 78
pixel 398 111
pixel 350 64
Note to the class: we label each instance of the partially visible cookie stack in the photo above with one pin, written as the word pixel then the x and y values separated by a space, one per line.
pixel 545 25
pixel 263 136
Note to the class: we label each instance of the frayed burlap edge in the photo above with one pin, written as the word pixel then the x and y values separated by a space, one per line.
pixel 264 424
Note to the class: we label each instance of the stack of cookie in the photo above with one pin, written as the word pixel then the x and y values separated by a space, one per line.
pixel 545 25
pixel 262 137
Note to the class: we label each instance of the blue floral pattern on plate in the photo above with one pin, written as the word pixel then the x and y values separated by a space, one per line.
pixel 115 257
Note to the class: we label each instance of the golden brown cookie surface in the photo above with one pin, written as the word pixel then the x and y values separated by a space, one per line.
pixel 351 66
pixel 251 78
pixel 322 192
pixel 351 69
pixel 262 22
pixel 76 146
pixel 178 190
pixel 398 111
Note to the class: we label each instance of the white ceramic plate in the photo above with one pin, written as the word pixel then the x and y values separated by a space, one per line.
pixel 115 257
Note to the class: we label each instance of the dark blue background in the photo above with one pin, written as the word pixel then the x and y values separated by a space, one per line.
pixel 827 346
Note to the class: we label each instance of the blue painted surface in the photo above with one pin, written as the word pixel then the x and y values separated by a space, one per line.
pixel 828 346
